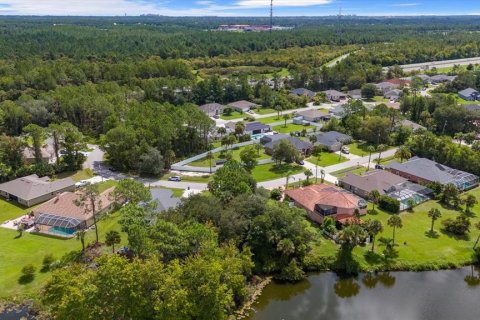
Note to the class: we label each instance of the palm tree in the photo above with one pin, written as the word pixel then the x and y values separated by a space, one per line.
pixel 477 226
pixel 112 238
pixel 308 173
pixel 81 236
pixel 380 149
pixel 285 118
pixel 373 227
pixel 395 222
pixel 221 131
pixel 434 214
pixel 403 153
pixel 312 139
pixel 374 196
pixel 459 136
pixel 239 128
pixel 279 109
pixel 258 147
pixel 90 201
pixel 370 149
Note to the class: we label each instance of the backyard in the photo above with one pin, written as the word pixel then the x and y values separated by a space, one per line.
pixel 417 248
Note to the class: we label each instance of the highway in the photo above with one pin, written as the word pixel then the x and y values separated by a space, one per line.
pixel 438 64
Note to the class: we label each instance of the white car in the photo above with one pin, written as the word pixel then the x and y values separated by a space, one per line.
pixel 345 150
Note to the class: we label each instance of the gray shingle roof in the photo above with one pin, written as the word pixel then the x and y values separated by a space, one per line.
pixel 242 104
pixel 468 92
pixel 254 126
pixel 472 107
pixel 298 143
pixel 313 114
pixel 373 180
pixel 303 92
pixel 332 138
pixel 32 187
pixel 164 199
pixel 212 107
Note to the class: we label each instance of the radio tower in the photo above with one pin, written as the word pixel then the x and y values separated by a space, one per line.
pixel 271 15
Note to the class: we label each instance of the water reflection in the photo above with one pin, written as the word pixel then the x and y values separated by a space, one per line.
pixel 442 295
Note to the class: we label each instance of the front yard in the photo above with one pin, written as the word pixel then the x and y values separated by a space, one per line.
pixel 291 128
pixel 326 159
pixel 360 148
pixel 272 171
pixel 233 116
pixel 235 153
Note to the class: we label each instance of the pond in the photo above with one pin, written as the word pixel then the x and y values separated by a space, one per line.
pixel 436 295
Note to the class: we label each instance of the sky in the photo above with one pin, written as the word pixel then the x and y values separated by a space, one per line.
pixel 239 7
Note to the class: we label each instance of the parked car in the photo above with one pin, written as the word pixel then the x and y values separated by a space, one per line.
pixel 82 183
pixel 112 169
pixel 346 150
pixel 380 167
pixel 175 178
pixel 301 162
pixel 216 116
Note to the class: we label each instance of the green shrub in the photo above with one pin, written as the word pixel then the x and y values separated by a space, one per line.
pixel 389 204
pixel 29 270
pixel 458 226
pixel 276 194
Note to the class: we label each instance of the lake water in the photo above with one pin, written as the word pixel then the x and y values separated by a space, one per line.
pixel 440 295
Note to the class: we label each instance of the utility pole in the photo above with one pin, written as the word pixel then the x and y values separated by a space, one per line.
pixel 339 22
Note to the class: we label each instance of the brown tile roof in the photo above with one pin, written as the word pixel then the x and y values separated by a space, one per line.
pixel 64 205
pixel 32 187
pixel 323 194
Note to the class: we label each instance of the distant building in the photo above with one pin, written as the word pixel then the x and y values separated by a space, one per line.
pixel 212 109
pixel 32 190
pixel 412 125
pixel 48 155
pixel 164 199
pixel 469 94
pixel 355 94
pixel 333 140
pixel 322 200
pixel 472 107
pixel 242 106
pixel 441 78
pixel 251 128
pixel 385 87
pixel 303 92
pixel 422 170
pixel 338 111
pixel 393 95
pixel 303 147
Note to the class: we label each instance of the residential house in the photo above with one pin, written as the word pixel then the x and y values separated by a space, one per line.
pixel 251 128
pixel 322 200
pixel 412 125
pixel 334 95
pixel 332 140
pixel 422 170
pixel 62 216
pixel 338 111
pixel 355 94
pixel 303 92
pixel 242 106
pixel 384 87
pixel 269 142
pixel 32 190
pixel 212 109
pixel 399 83
pixel 48 154
pixel 441 78
pixel 314 115
pixel 164 199
pixel 469 94
pixel 386 183
pixel 472 107
pixel 393 95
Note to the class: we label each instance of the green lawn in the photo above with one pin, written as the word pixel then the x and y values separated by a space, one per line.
pixel 354 170
pixel 201 179
pixel 272 171
pixel 233 116
pixel 327 159
pixel 17 252
pixel 291 128
pixel 263 111
pixel 205 163
pixel 417 249
pixel 361 148
pixel 10 210
pixel 272 119
pixel 77 175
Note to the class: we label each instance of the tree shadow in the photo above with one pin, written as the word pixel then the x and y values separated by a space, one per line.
pixel 372 212
pixel 463 237
pixel 26 279
pixel 18 236
pixel 469 214
pixel 432 234
pixel 373 257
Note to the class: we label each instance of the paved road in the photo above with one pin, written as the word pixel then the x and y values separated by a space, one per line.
pixel 94 158
pixel 438 64
pixel 332 63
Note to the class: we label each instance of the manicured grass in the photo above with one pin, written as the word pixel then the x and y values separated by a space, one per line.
pixel 354 170
pixel 16 252
pixel 291 128
pixel 201 179
pixel 107 184
pixel 10 210
pixel 272 119
pixel 263 111
pixel 360 148
pixel 417 248
pixel 178 193
pixel 327 159
pixel 77 175
pixel 234 115
pixel 272 171
pixel 205 163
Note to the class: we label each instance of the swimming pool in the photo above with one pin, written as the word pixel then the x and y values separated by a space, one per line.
pixel 62 232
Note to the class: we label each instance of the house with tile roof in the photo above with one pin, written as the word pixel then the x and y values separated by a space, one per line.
pixel 322 200
pixel 62 217
pixel 31 190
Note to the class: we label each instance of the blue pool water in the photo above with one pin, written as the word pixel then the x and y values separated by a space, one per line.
pixel 64 232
